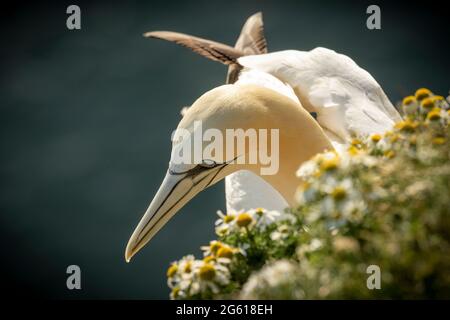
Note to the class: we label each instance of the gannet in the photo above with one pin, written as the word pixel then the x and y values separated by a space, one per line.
pixel 346 99
pixel 233 106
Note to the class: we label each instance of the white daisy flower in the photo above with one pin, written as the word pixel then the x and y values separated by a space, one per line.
pixel 226 222
pixel 212 248
pixel 281 233
pixel 210 276
pixel 307 170
pixel 227 218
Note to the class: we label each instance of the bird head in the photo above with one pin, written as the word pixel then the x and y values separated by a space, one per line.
pixel 226 130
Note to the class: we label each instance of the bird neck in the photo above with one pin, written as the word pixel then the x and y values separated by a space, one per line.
pixel 300 138
pixel 293 153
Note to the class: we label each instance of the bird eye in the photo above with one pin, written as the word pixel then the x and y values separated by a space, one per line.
pixel 208 163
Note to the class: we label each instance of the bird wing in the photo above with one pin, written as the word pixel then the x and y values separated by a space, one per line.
pixel 346 98
pixel 251 41
pixel 345 110
pixel 210 49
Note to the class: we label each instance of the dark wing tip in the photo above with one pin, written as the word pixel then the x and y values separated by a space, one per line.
pixel 210 49
pixel 251 41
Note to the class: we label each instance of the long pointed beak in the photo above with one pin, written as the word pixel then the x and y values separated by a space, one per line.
pixel 175 191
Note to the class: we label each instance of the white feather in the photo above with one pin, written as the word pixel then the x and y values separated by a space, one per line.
pixel 266 80
pixel 346 98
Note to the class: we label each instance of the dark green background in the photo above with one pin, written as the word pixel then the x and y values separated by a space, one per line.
pixel 86 117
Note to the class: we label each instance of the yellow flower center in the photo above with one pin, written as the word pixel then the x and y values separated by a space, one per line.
pixel 406 126
pixel 188 267
pixel 394 138
pixel 437 98
pixel 356 142
pixel 353 151
pixel 339 193
pixel 225 252
pixel 389 154
pixel 422 93
pixel 222 230
pixel 228 218
pixel 409 100
pixel 427 104
pixel 434 115
pixel 172 270
pixel 438 140
pixel 175 291
pixel 259 211
pixel 329 164
pixel 375 137
pixel 207 272
pixel 208 259
pixel 244 219
pixel 215 246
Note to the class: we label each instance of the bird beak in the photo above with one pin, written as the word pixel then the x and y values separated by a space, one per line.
pixel 175 191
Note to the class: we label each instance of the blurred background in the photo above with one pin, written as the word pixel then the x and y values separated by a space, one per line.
pixel 86 118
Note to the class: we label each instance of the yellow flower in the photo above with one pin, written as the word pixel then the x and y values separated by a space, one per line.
pixel 228 218
pixel 188 267
pixel 437 98
pixel 427 104
pixel 222 230
pixel 389 154
pixel 375 137
pixel 214 246
pixel 409 100
pixel 406 125
pixel 316 174
pixel 208 259
pixel 422 93
pixel 259 211
pixel 207 272
pixel 175 292
pixel 353 151
pixel 225 252
pixel 329 164
pixel 393 138
pixel 339 193
pixel 409 105
pixel 244 219
pixel 434 114
pixel 172 270
pixel 356 142
pixel 438 140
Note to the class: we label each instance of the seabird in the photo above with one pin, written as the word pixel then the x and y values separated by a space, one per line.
pixel 288 85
